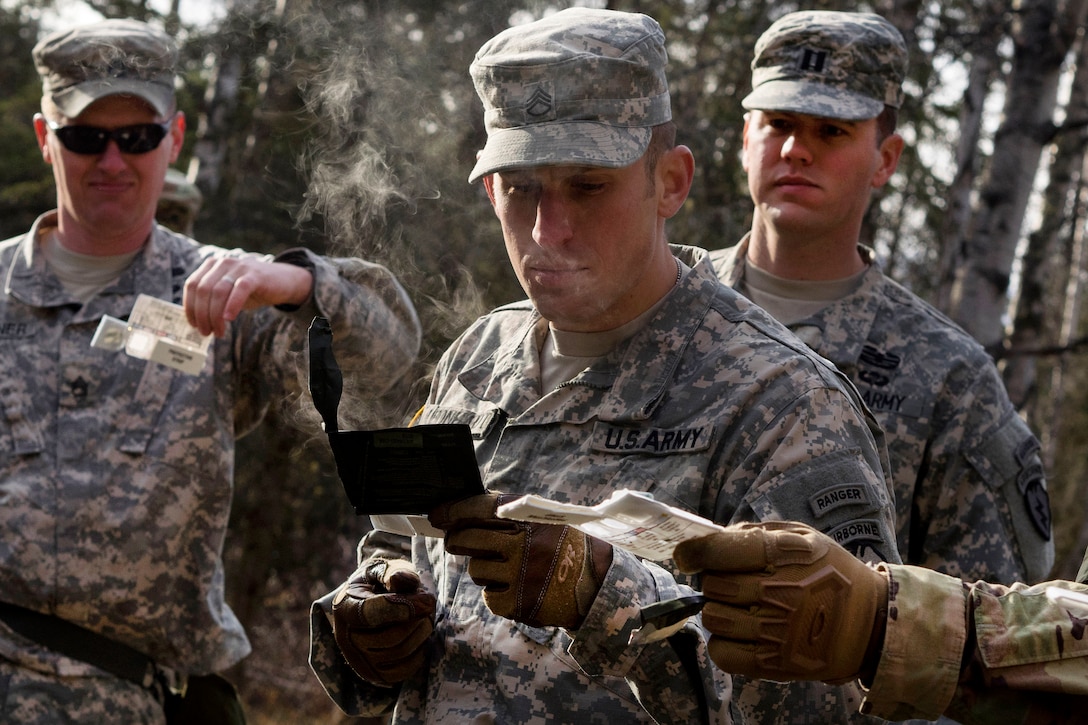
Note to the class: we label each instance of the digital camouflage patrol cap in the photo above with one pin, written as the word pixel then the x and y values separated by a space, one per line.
pixel 80 65
pixel 828 64
pixel 179 202
pixel 582 87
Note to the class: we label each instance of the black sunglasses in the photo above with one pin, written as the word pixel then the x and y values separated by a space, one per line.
pixel 137 139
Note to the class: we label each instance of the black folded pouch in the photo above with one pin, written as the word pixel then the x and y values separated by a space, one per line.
pixel 391 470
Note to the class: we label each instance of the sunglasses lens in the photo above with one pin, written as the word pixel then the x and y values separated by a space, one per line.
pixel 138 139
pixel 83 139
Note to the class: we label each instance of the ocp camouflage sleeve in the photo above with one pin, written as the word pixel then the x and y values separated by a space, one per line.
pixel 979 653
pixel 712 407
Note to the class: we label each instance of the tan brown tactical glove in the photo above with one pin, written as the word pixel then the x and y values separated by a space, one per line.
pixel 381 620
pixel 540 574
pixel 785 602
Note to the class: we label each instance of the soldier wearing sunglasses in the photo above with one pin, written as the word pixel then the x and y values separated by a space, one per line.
pixel 116 472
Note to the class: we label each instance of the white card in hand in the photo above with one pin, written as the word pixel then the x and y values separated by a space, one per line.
pixel 1075 601
pixel 631 520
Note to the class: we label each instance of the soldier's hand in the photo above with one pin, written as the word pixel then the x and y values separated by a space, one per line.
pixel 539 574
pixel 222 286
pixel 381 619
pixel 785 602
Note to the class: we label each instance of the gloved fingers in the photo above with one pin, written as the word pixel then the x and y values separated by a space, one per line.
pixel 387 655
pixel 471 511
pixel 377 610
pixel 740 547
pixel 487 543
pixel 494 576
pixel 739 589
pixel 400 669
pixel 499 559
pixel 401 577
pixel 740 624
pixel 390 642
pixel 742 658
pixel 792 542
pixel 502 600
pixel 380 576
pixel 475 508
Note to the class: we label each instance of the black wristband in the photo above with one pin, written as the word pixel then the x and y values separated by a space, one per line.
pixel 875 648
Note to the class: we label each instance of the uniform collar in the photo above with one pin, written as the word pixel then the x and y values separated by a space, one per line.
pixel 625 385
pixel 844 324
pixel 29 279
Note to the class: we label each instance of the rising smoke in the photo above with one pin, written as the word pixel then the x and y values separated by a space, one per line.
pixel 375 180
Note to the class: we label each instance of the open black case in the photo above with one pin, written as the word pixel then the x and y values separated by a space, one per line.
pixel 393 470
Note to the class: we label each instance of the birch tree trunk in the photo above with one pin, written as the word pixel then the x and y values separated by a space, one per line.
pixel 213 131
pixel 1042 35
pixel 1068 494
pixel 1045 265
pixel 173 18
pixel 985 65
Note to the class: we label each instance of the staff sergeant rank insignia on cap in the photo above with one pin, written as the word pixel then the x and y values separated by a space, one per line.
pixel 582 87
pixel 541 104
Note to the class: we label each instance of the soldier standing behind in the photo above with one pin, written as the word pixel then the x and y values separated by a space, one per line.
pixel 819 136
pixel 179 203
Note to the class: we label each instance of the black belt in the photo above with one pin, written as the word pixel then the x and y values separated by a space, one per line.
pixel 81 644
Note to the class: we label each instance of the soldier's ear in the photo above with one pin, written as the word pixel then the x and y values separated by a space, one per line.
pixel 675 172
pixel 41 131
pixel 891 148
pixel 489 185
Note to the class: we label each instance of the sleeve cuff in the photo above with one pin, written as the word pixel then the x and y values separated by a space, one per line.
pixel 300 258
pixel 920 664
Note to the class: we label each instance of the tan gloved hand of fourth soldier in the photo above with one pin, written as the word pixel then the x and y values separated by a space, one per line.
pixel 785 602
pixel 544 575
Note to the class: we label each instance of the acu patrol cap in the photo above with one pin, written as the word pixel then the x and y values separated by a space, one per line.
pixel 582 87
pixel 83 64
pixel 179 202
pixel 177 187
pixel 830 64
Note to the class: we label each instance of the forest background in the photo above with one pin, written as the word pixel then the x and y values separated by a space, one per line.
pixel 350 128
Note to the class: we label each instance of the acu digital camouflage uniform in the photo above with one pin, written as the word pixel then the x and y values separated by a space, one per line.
pixel 713 407
pixel 980 653
pixel 970 494
pixel 116 473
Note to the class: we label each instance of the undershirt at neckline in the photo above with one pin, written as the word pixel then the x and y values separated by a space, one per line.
pixel 564 354
pixel 83 275
pixel 792 300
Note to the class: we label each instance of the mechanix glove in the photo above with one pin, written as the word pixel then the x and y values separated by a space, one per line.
pixel 381 620
pixel 545 575
pixel 785 602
